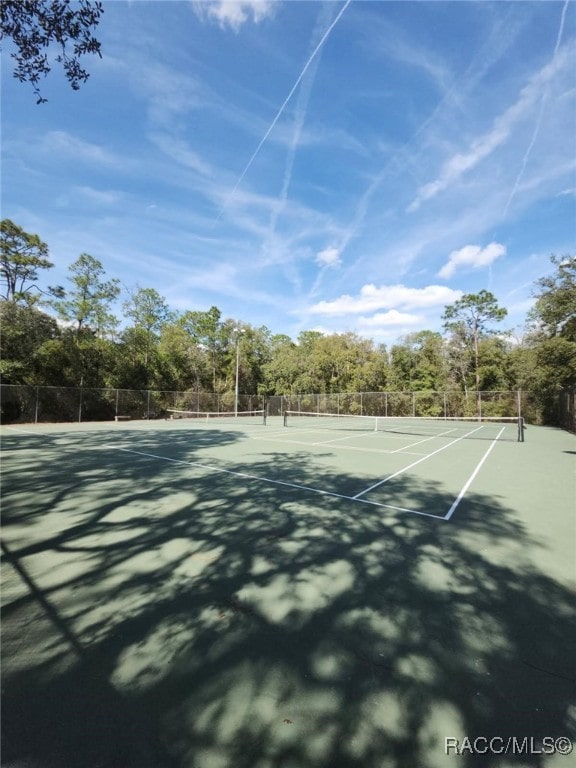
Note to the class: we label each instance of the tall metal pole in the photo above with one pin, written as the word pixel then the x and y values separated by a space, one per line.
pixel 237 372
pixel 238 332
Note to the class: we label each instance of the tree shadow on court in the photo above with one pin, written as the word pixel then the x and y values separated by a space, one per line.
pixel 170 615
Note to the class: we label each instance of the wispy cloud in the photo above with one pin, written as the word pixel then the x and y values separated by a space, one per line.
pixel 538 122
pixel 329 257
pixel 473 256
pixel 104 197
pixel 180 151
pixel 297 129
pixel 373 298
pixel 287 99
pixel 234 13
pixel 64 143
pixel 482 147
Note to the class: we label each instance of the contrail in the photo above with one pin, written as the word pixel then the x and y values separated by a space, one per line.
pixel 300 114
pixel 540 115
pixel 286 100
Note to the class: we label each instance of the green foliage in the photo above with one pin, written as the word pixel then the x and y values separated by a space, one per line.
pixel 21 256
pixel 24 330
pixel 207 332
pixel 475 311
pixel 469 320
pixel 36 25
pixel 555 308
pixel 418 363
pixel 87 305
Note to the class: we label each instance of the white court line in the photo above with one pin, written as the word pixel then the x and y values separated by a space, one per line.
pixel 433 437
pixel 343 447
pixel 27 432
pixel 405 469
pixel 471 478
pixel 274 482
pixel 367 433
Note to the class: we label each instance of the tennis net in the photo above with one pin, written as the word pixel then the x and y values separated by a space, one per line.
pixel 474 427
pixel 216 418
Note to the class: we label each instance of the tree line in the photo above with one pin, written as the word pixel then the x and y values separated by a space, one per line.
pixel 68 336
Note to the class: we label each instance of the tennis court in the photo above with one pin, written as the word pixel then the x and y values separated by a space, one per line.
pixel 298 591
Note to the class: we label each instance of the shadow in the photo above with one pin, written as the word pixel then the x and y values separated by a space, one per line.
pixel 164 614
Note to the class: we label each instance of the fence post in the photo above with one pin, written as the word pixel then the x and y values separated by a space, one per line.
pixel 80 404
pixel 36 405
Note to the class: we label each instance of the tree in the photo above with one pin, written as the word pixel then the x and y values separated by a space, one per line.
pixel 88 304
pixel 417 363
pixel 35 25
pixel 555 308
pixel 206 330
pixel 21 256
pixel 149 312
pixel 24 330
pixel 470 317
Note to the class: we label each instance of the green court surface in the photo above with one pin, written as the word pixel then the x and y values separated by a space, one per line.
pixel 202 594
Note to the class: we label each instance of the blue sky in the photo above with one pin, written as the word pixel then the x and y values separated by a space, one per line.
pixel 340 166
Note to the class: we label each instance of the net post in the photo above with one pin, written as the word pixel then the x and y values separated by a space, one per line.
pixel 520 429
pixel 285 419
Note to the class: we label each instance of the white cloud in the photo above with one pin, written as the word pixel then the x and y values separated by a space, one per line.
pixel 472 256
pixel 234 13
pixel 329 257
pixel 392 317
pixel 388 297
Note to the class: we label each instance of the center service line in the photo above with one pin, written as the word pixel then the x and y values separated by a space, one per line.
pixel 471 478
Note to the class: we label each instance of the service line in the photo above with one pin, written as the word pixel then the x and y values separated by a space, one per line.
pixel 415 463
pixel 269 480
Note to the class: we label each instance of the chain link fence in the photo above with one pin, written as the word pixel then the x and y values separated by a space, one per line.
pixel 30 405
pixel 441 404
